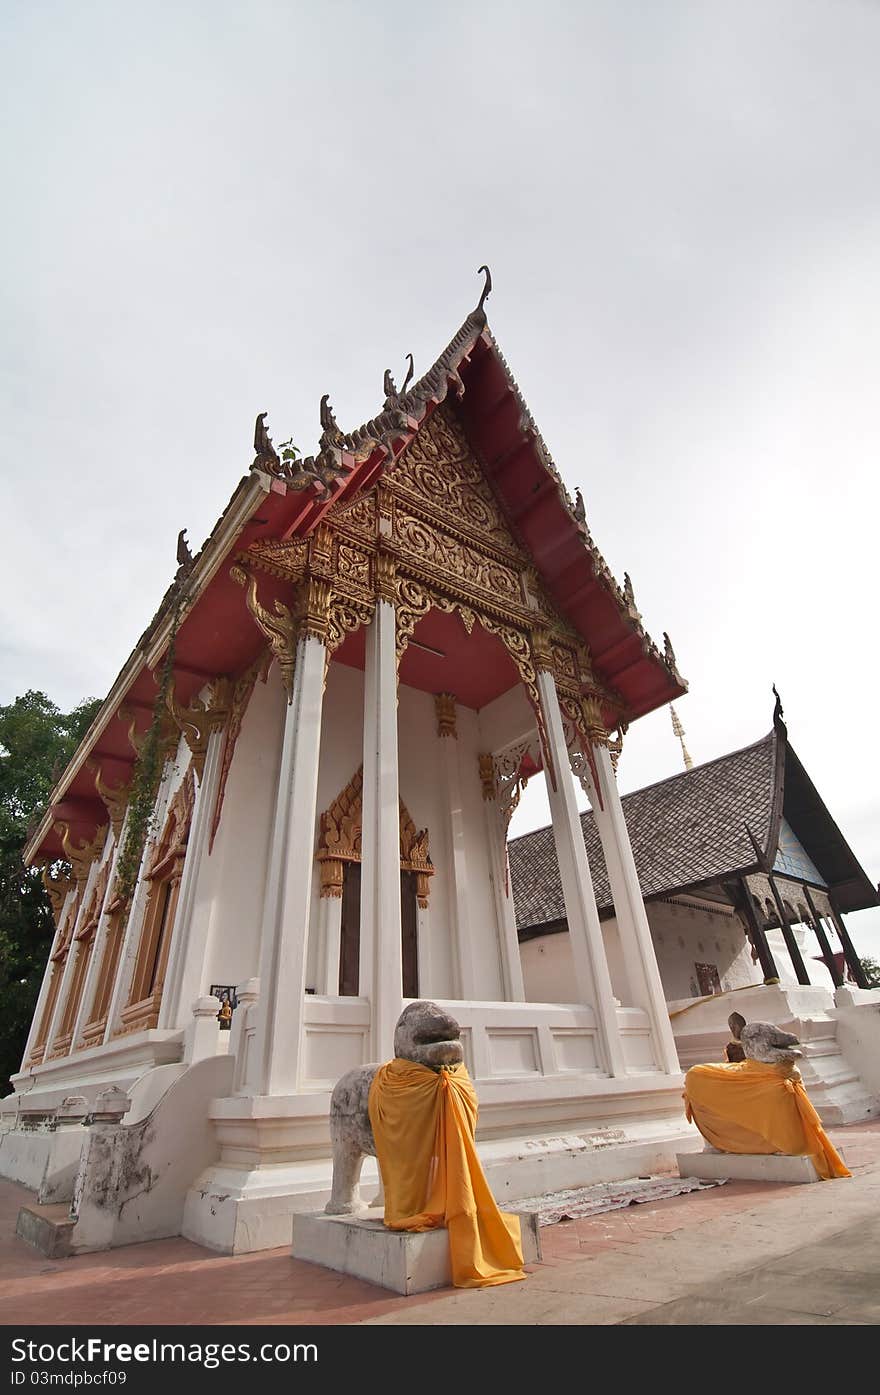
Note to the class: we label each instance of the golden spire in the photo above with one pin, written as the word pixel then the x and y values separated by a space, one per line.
pixel 679 732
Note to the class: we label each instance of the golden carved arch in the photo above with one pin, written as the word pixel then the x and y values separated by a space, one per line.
pixel 340 841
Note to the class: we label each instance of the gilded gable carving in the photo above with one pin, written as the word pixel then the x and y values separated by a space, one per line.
pixel 438 471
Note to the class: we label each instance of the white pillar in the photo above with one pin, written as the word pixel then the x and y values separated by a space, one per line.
pixel 73 951
pixel 184 980
pixel 459 909
pixel 330 931
pixel 131 938
pixel 632 919
pixel 288 895
pixel 593 980
pixel 93 970
pixel 381 957
pixel 47 979
pixel 513 983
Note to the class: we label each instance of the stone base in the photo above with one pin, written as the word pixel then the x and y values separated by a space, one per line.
pixel 47 1228
pixel 747 1167
pixel 403 1261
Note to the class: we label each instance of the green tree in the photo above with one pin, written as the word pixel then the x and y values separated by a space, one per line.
pixel 36 741
pixel 872 972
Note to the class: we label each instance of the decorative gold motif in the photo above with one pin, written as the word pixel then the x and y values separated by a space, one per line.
pixel 353 564
pixel 414 856
pixel 169 733
pixel 487 776
pixel 197 721
pixel 114 798
pixel 92 915
pixel 242 689
pixel 430 534
pixel 315 597
pixel 444 705
pixel 358 517
pixel 321 551
pixel 281 629
pixel 541 650
pixel 386 572
pixel 175 831
pixel 287 560
pixel 340 841
pixel 82 857
pixel 564 662
pixel 58 888
pixel 428 545
pixel 345 617
pixel 438 470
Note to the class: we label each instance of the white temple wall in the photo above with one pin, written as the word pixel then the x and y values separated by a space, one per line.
pixel 507 718
pixel 485 934
pixel 686 935
pixel 683 936
pixel 422 789
pixel 548 966
pixel 230 889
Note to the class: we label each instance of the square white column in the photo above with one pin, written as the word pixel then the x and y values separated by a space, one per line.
pixel 593 980
pixel 47 979
pixel 277 1046
pixel 190 933
pixel 381 955
pixel 636 943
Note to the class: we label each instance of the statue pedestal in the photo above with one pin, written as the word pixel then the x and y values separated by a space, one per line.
pixel 404 1261
pixel 747 1167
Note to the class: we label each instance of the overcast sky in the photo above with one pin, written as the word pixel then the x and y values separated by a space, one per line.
pixel 215 209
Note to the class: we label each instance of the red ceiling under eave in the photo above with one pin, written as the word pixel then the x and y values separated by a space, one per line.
pixel 475 668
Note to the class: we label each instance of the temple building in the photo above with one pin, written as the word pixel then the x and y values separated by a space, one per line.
pixel 372 650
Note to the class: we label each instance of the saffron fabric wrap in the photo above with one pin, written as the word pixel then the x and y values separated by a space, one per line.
pixel 750 1107
pixel 423 1124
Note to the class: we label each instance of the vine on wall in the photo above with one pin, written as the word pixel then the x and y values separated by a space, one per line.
pixel 147 773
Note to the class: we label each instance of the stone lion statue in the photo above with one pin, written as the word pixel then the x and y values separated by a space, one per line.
pixel 761 1041
pixel 425 1034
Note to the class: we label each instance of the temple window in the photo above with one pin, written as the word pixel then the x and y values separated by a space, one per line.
pixel 163 877
pixel 57 963
pixel 82 948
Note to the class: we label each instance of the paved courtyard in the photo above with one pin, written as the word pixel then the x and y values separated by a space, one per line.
pixel 742 1253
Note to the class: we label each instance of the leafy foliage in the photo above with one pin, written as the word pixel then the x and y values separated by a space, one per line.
pixel 36 741
pixel 872 971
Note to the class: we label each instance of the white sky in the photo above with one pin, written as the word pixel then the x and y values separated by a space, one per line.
pixel 215 209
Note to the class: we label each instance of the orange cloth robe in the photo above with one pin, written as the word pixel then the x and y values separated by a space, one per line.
pixel 750 1107
pixel 424 1123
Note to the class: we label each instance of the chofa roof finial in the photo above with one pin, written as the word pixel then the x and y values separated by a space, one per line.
pixel 486 289
pixel 777 710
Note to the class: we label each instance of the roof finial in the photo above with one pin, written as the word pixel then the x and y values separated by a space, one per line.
pixel 409 375
pixel 678 729
pixel 580 509
pixel 777 710
pixel 486 289
pixel 184 556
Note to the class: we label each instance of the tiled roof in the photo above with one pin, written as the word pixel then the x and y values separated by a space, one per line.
pixel 687 829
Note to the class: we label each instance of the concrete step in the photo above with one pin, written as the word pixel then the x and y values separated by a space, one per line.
pixel 48 1228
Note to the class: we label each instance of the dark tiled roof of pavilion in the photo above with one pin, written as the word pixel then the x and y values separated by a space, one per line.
pixel 685 830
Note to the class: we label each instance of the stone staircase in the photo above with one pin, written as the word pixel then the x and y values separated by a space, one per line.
pixel 831 1078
